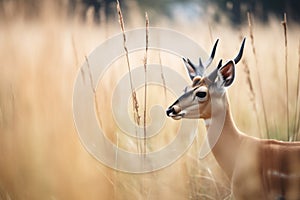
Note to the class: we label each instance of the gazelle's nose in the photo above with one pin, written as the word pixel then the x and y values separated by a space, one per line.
pixel 169 111
pixel 173 110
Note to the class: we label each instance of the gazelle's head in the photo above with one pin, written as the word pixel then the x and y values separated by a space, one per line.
pixel 196 100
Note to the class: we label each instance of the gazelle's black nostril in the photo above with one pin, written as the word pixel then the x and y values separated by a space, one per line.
pixel 170 110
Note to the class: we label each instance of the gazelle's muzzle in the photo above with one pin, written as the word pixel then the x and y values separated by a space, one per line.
pixel 174 112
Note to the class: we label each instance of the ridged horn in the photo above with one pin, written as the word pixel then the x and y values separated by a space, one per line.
pixel 239 56
pixel 212 55
pixel 199 70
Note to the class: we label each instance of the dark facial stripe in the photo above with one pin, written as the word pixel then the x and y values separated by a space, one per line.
pixel 176 102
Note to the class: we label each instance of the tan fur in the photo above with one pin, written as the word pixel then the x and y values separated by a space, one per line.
pixel 258 169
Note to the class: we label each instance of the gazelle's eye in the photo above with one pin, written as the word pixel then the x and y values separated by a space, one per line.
pixel 201 94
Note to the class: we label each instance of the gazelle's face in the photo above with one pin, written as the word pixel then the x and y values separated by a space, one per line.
pixel 196 100
pixel 194 103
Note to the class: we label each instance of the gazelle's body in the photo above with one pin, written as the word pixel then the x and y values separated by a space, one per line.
pixel 258 169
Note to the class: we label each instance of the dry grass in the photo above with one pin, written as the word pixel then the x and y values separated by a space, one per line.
pixel 252 95
pixel 284 24
pixel 250 24
pixel 297 118
pixel 135 102
pixel 145 62
pixel 41 156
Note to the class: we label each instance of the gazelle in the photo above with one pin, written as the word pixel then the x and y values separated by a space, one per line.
pixel 257 168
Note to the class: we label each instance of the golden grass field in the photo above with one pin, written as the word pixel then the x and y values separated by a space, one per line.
pixel 41 156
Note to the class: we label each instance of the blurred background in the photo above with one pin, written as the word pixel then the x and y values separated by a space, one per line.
pixel 42 46
pixel 234 11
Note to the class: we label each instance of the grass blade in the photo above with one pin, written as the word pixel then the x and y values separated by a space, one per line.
pixel 297 114
pixel 145 88
pixel 252 97
pixel 258 75
pixel 135 103
pixel 284 24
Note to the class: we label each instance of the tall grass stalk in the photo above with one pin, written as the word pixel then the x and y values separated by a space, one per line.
pixel 90 74
pixel 94 91
pixel 74 51
pixel 162 76
pixel 135 103
pixel 297 113
pixel 76 57
pixel 258 75
pixel 284 24
pixel 145 61
pixel 252 97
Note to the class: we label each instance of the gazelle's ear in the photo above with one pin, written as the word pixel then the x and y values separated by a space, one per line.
pixel 226 74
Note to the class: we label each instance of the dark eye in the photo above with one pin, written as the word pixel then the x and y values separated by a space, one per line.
pixel 201 94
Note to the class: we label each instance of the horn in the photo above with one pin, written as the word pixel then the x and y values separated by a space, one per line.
pixel 199 70
pixel 190 68
pixel 213 75
pixel 212 55
pixel 239 56
pixel 200 63
pixel 193 69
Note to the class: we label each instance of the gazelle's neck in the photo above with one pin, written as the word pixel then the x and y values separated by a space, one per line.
pixel 223 136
